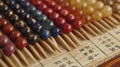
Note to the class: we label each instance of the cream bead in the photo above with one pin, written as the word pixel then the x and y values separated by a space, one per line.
pixel 89 10
pixel 97 15
pixel 106 11
pixel 81 4
pixel 90 2
pixel 98 5
pixel 74 2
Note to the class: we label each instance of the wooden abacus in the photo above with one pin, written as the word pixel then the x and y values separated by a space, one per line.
pixel 97 25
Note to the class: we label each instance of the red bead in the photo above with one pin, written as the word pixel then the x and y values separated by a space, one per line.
pixel 50 3
pixel 63 12
pixel 35 2
pixel 48 11
pixel 3 22
pixel 53 15
pixel 57 7
pixel 8 28
pixel 77 24
pixel 42 6
pixel 9 49
pixel 66 28
pixel 15 35
pixel 21 43
pixel 70 17
pixel 3 41
pixel 60 21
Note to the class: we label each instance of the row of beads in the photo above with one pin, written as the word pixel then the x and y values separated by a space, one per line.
pixel 35 26
pixel 7 46
pixel 13 34
pixel 59 21
pixel 19 24
pixel 87 6
pixel 113 3
pixel 42 18
pixel 76 23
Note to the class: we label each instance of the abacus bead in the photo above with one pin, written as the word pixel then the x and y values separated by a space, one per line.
pixel 31 8
pixel 55 31
pixel 90 2
pixel 44 34
pixel 50 3
pixel 60 21
pixel 35 2
pixel 41 18
pixel 81 5
pixel 14 18
pixel 57 7
pixel 77 24
pixel 53 15
pixel 21 43
pixel 37 13
pixel 32 38
pixel 3 21
pixel 63 12
pixel 97 15
pixel 15 34
pixel 66 28
pixel 106 11
pixel 99 5
pixel 3 41
pixel 70 17
pixel 9 50
pixel 89 10
pixel 37 27
pixel 8 28
pixel 48 24
pixel 116 8
pixel 24 3
pixel 26 30
pixel 42 6
pixel 31 21
pixel 48 11
pixel 73 2
pixel 9 13
pixel 20 24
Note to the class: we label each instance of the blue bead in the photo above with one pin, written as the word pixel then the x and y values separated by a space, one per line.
pixel 20 11
pixel 44 34
pixel 23 3
pixel 48 24
pixel 37 13
pixel 31 9
pixel 42 18
pixel 30 21
pixel 37 27
pixel 55 32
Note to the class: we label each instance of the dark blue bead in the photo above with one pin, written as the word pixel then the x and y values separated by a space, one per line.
pixel 32 38
pixel 44 34
pixel 14 6
pixel 20 11
pixel 31 9
pixel 11 2
pixel 42 18
pixel 48 24
pixel 23 3
pixel 37 27
pixel 37 13
pixel 26 31
pixel 20 24
pixel 30 21
pixel 55 31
